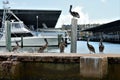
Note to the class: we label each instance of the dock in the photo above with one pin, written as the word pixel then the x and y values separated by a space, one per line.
pixel 59 57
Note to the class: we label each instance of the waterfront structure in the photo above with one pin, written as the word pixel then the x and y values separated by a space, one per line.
pixel 18 29
pixel 110 32
pixel 80 27
pixel 28 16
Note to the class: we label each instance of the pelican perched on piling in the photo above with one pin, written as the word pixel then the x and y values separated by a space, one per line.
pixel 62 46
pixel 101 46
pixel 90 47
pixel 41 49
pixel 16 47
pixel 74 14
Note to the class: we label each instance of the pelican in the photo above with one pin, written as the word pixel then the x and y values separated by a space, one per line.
pixel 62 46
pixel 41 49
pixel 74 14
pixel 90 47
pixel 101 46
pixel 16 47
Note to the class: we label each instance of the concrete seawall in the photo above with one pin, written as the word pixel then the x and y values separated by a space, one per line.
pixel 58 57
pixel 53 66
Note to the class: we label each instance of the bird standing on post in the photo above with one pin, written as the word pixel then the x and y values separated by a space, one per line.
pixel 74 14
pixel 101 46
pixel 41 49
pixel 90 47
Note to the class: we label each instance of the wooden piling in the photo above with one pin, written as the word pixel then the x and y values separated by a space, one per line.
pixel 73 35
pixel 21 41
pixel 59 38
pixel 8 35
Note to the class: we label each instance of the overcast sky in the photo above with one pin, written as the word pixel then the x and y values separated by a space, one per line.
pixel 91 11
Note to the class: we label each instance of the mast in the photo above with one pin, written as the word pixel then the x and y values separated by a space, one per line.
pixel 6 10
pixel 5 3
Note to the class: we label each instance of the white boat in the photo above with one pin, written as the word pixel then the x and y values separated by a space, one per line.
pixel 19 29
pixel 29 39
pixel 55 32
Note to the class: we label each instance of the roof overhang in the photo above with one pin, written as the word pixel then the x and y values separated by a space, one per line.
pixel 49 17
pixel 108 27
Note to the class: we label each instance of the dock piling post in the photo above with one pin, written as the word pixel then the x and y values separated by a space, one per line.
pixel 73 35
pixel 59 38
pixel 8 35
pixel 21 41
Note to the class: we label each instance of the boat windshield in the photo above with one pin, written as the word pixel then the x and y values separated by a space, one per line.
pixel 17 25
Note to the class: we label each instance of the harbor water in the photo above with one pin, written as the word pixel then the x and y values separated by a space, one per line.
pixel 110 48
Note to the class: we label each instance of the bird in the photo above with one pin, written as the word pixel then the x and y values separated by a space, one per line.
pixel 16 47
pixel 41 49
pixel 73 13
pixel 101 46
pixel 62 45
pixel 90 47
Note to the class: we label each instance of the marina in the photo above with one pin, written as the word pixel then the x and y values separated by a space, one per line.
pixel 19 30
pixel 31 48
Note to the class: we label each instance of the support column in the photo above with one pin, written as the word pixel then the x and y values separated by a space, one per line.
pixel 8 35
pixel 73 35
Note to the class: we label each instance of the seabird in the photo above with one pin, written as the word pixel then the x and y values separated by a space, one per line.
pixel 16 47
pixel 90 47
pixel 41 49
pixel 101 46
pixel 62 46
pixel 73 13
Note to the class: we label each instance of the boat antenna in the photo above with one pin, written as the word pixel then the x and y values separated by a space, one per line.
pixel 5 3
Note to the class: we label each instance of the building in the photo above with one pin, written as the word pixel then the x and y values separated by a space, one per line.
pixel 110 32
pixel 81 27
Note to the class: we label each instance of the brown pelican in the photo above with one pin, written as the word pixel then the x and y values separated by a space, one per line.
pixel 74 14
pixel 16 47
pixel 41 49
pixel 62 46
pixel 90 47
pixel 101 46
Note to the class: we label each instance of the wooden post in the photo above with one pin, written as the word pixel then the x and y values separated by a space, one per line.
pixel 73 35
pixel 59 38
pixel 22 41
pixel 8 35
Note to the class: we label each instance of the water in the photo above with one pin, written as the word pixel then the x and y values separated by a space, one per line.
pixel 110 48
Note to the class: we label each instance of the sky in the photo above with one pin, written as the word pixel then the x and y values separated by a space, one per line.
pixel 91 11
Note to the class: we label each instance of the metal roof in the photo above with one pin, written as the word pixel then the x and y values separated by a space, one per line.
pixel 49 17
pixel 108 27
